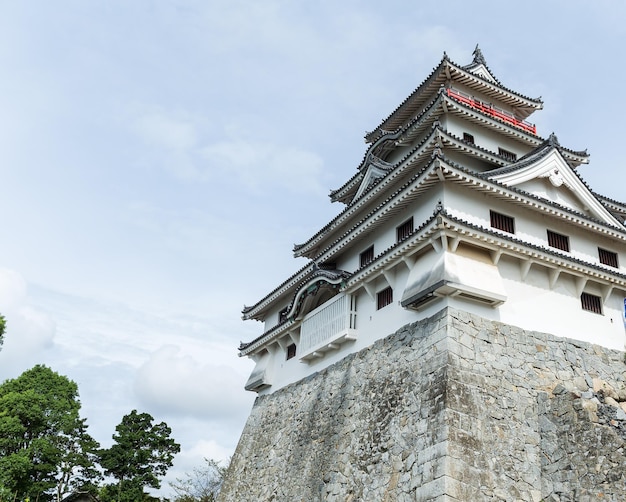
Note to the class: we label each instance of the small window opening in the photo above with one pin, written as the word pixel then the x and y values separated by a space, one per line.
pixel 558 241
pixel 608 258
pixel 282 315
pixel 384 298
pixel 367 256
pixel 502 222
pixel 507 155
pixel 591 303
pixel 404 230
pixel 291 351
pixel 468 138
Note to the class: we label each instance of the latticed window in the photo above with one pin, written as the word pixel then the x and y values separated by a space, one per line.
pixel 404 230
pixel 291 351
pixel 507 155
pixel 592 303
pixel 558 241
pixel 468 138
pixel 367 256
pixel 608 258
pixel 502 222
pixel 384 298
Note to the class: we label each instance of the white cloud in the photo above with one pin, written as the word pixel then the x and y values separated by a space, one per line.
pixel 192 457
pixel 180 145
pixel 29 332
pixel 260 165
pixel 177 133
pixel 178 384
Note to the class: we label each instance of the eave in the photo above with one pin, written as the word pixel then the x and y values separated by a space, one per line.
pixel 427 119
pixel 450 105
pixel 500 243
pixel 572 157
pixel 523 105
pixel 616 208
pixel 263 340
pixel 482 182
pixel 309 248
pixel 445 232
pixel 258 310
pixel 417 155
pixel 346 192
pixel 440 169
pixel 445 71
pixel 336 278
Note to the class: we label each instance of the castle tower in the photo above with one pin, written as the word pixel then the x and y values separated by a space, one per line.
pixel 463 309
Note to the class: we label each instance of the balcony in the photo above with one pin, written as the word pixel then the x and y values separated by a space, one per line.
pixel 489 109
pixel 328 327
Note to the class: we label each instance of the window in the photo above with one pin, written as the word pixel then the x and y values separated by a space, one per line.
pixel 507 155
pixel 502 222
pixel 282 315
pixel 558 241
pixel 404 230
pixel 367 256
pixel 291 351
pixel 384 298
pixel 592 303
pixel 469 138
pixel 608 258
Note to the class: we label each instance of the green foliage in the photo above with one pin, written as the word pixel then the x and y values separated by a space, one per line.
pixel 141 454
pixel 44 446
pixel 202 484
pixel 125 491
pixel 3 327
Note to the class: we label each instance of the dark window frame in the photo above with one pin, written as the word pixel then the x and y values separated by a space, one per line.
pixel 507 154
pixel 291 351
pixel 468 138
pixel 591 303
pixel 384 298
pixel 558 241
pixel 405 230
pixel 502 221
pixel 282 315
pixel 608 258
pixel 367 256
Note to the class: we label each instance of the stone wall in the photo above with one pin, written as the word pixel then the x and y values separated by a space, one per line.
pixel 454 407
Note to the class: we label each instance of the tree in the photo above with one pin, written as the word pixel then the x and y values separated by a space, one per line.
pixel 77 470
pixel 3 327
pixel 44 445
pixel 141 454
pixel 203 484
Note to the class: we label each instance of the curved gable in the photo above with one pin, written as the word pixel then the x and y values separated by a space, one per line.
pixel 550 177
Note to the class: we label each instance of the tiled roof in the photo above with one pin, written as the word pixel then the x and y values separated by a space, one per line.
pixel 308 268
pixel 544 249
pixel 395 119
pixel 317 273
pixel 330 224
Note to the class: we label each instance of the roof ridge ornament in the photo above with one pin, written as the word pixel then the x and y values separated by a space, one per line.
pixel 478 56
pixel 553 140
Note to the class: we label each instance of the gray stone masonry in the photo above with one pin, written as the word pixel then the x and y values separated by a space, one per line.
pixel 451 408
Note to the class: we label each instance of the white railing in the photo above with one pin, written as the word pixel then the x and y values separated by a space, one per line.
pixel 328 326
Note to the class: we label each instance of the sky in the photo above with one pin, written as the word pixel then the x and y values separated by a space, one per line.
pixel 160 159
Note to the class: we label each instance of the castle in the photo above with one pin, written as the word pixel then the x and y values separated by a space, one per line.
pixel 463 310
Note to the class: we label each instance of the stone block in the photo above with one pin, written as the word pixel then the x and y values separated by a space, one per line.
pixel 424 420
